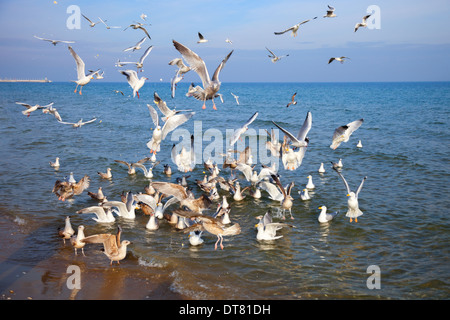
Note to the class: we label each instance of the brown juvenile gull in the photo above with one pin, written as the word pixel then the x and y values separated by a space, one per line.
pixel 179 192
pixel 210 86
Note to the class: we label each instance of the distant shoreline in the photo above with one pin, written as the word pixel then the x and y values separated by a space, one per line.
pixel 19 80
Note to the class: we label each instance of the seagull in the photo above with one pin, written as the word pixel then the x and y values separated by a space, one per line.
pixel 235 97
pixel 77 241
pixel 304 194
pixel 125 210
pixel 55 164
pixel 143 16
pixel 138 25
pixel 102 214
pixel 267 229
pixel 340 59
pixel 292 102
pixel 30 108
pixel 184 160
pixel 274 193
pixel 118 91
pixel 108 27
pixel 286 203
pixel 67 232
pixel 343 133
pixel 66 189
pixel 293 159
pixel 294 28
pixel 140 63
pixel 201 38
pixel 274 57
pixel 241 130
pixel 173 83
pixel 91 24
pixel 78 124
pixel 162 106
pixel 363 23
pixel 53 111
pixel 310 185
pixel 330 12
pixel 182 68
pixel 131 168
pixel 54 42
pixel 325 217
pixel 359 145
pixel 301 139
pixel 273 145
pixel 137 46
pixel 83 78
pixel 353 207
pixel 105 175
pixel 170 124
pixel 321 168
pixel 135 83
pixel 114 249
pixel 148 173
pixel 179 192
pixel 210 86
pixel 228 41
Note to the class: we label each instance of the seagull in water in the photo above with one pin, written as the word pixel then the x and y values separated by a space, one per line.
pixel 83 78
pixel 325 217
pixel 274 57
pixel 267 229
pixel 210 86
pixel 135 83
pixel 343 133
pixel 352 202
pixel 362 24
pixel 294 28
pixel 54 42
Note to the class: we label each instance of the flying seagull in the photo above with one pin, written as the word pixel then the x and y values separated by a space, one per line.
pixel 83 78
pixel 210 86
pixel 107 27
pixel 78 124
pixel 133 80
pixel 201 38
pixel 54 42
pixel 363 23
pixel 138 25
pixel 340 59
pixel 300 140
pixel 241 130
pixel 343 133
pixel 292 102
pixel 274 57
pixel 137 46
pixel 140 63
pixel 294 28
pixel 91 24
pixel 330 12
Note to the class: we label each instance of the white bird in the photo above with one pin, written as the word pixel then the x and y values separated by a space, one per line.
pixel 210 86
pixel 67 232
pixel 340 59
pixel 72 178
pixel 125 210
pixel 140 63
pixel 103 214
pixel 76 240
pixel 363 23
pixel 293 159
pixel 321 168
pixel 138 25
pixel 55 164
pixel 108 27
pixel 274 146
pixel 201 38
pixel 330 12
pixel 171 124
pixel 251 175
pixel 82 78
pixel 143 16
pixel 148 173
pixel 304 195
pixel 310 185
pixel 162 106
pixel 228 41
pixel 184 160
pixel 267 229
pixel 78 124
pixel 325 217
pixel 238 132
pixel 235 97
pixel 173 83
pixel 294 28
pixel 131 168
pixel 91 24
pixel 273 57
pixel 182 68
pixel 195 237
pixel 343 133
pixel 54 42
pixel 359 145
pixel 135 83
pixel 105 175
pixel 339 164
pixel 301 140
pixel 352 202
pixel 53 111
pixel 114 249
pixel 30 109
pixel 137 46
pixel 273 191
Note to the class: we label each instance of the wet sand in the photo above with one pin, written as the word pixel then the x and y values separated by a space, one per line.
pixel 46 279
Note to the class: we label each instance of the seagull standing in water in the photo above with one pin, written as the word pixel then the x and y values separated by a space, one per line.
pixel 210 86
pixel 83 78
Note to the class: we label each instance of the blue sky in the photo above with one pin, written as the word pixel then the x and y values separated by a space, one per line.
pixel 412 44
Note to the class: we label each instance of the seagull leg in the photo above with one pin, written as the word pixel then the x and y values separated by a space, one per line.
pixel 351 220
pixel 137 92
pixel 356 220
pixel 221 245
pixel 215 245
pixel 76 89
pixel 214 105
pixel 204 105
pixel 80 90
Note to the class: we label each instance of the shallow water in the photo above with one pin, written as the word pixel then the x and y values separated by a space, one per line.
pixel 404 229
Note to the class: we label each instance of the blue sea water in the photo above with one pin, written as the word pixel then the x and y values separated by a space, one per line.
pixel 404 230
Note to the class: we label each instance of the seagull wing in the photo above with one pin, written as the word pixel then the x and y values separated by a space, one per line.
pixel 153 115
pixel 220 67
pixel 172 189
pixel 360 186
pixel 131 75
pixel 195 62
pixel 147 199
pixel 343 179
pixel 290 135
pixel 305 127
pixel 79 62
pixel 141 60
pixel 174 122
pixel 161 104
pixel 281 32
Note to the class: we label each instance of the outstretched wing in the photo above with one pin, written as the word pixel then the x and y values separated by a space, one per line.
pixel 195 62
pixel 220 67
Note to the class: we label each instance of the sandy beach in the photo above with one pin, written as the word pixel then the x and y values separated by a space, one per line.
pixel 47 279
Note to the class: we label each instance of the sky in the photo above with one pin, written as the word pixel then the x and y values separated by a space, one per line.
pixel 408 40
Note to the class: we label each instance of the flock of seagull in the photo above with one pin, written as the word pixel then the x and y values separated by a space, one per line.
pixel 156 198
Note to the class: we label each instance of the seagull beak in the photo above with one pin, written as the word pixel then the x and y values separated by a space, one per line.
pixel 320 207
pixel 348 195
pixel 256 225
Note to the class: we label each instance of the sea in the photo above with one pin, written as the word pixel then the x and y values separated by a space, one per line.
pixel 398 248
